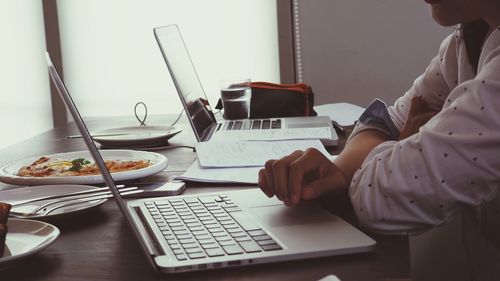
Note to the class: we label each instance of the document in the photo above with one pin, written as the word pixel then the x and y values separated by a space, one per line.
pixel 246 175
pixel 343 113
pixel 219 154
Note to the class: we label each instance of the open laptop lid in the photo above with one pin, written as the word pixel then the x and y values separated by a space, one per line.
pixel 186 80
pixel 68 101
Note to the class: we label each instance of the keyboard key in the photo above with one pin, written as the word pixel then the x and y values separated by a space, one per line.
pixel 266 124
pixel 234 230
pixel 227 243
pixel 276 124
pixel 191 200
pixel 198 231
pixel 271 247
pixel 243 238
pixel 237 125
pixel 246 125
pixel 175 246
pixel 266 242
pixel 188 235
pixel 223 238
pixel 190 245
pixel 196 255
pixel 210 246
pixel 207 241
pixel 194 250
pixel 256 124
pixel 256 232
pixel 232 249
pixel 216 229
pixel 215 252
pixel 250 247
pixel 178 251
pixel 245 221
pixel 190 221
pixel 262 237
pixel 227 224
pixel 220 234
pixel 187 241
pixel 181 257
pixel 231 226
pixel 203 236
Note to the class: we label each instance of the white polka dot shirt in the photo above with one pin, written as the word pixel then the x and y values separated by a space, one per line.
pixel 452 162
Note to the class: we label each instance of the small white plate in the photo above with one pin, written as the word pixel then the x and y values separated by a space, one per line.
pixel 8 173
pixel 20 194
pixel 138 136
pixel 26 238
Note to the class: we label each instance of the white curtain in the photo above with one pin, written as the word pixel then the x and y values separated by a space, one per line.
pixel 25 108
pixel 111 60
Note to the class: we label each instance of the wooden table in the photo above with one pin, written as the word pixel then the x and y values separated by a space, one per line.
pixel 97 245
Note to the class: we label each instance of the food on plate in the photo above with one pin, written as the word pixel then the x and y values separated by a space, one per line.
pixel 4 215
pixel 54 167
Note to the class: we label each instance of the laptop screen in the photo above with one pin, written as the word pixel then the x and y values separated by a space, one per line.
pixel 186 80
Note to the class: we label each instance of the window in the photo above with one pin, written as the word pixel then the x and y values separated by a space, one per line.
pixel 111 59
pixel 25 109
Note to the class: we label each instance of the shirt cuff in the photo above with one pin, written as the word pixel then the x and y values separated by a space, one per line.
pixel 376 117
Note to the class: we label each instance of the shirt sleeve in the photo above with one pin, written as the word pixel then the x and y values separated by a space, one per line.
pixel 422 181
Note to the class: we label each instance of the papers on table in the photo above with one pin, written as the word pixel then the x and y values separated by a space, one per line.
pixel 242 174
pixel 343 113
pixel 246 175
pixel 215 154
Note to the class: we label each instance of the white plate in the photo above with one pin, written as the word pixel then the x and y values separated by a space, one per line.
pixel 16 195
pixel 25 238
pixel 138 136
pixel 8 173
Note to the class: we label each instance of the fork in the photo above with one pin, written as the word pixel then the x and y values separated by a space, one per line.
pixel 71 201
pixel 50 197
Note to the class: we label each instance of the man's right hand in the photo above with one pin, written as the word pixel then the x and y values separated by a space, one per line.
pixel 302 175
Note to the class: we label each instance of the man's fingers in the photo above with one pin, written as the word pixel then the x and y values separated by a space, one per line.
pixel 281 172
pixel 269 175
pixel 309 161
pixel 263 183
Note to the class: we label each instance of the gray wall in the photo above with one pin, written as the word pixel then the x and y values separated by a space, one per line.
pixel 355 50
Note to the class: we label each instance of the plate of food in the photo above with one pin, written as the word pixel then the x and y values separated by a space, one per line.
pixel 21 238
pixel 137 136
pixel 79 167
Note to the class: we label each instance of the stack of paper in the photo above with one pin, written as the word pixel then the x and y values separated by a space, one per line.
pixel 240 162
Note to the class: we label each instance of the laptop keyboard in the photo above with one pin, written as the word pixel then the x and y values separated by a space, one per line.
pixel 208 226
pixel 253 124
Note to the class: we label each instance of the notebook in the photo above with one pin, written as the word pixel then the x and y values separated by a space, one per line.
pixel 231 228
pixel 200 113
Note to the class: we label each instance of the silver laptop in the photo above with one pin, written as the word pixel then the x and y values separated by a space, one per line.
pixel 226 229
pixel 200 113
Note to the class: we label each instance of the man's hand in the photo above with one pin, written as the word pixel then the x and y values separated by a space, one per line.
pixel 418 115
pixel 300 175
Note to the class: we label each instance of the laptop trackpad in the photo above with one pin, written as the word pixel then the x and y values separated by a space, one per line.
pixel 280 215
